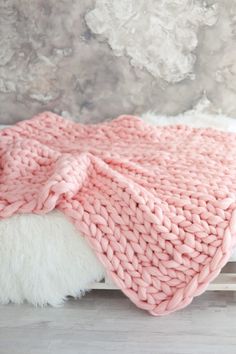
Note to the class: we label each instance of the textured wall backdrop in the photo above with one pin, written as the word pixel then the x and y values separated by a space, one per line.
pixel 97 59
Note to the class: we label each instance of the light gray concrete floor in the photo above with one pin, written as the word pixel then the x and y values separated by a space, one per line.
pixel 107 322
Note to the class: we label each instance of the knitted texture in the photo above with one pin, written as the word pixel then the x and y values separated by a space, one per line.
pixel 157 205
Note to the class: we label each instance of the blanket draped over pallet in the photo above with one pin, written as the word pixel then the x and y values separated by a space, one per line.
pixel 157 204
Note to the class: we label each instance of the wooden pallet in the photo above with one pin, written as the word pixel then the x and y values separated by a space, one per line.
pixel 226 281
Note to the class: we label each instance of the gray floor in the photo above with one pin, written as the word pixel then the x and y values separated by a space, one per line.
pixel 106 322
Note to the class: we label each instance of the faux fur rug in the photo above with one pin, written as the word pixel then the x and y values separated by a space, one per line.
pixel 43 259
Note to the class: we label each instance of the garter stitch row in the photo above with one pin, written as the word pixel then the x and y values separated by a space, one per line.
pixel 157 204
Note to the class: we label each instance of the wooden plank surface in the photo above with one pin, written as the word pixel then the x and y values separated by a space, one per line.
pixel 107 322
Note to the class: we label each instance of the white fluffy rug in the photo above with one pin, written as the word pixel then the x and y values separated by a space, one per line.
pixel 43 259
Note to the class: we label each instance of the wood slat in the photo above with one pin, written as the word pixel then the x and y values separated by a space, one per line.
pixel 224 282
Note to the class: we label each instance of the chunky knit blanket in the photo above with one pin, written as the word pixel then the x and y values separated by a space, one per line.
pixel 157 205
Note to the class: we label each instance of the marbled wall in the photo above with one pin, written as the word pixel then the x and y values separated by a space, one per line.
pixel 97 59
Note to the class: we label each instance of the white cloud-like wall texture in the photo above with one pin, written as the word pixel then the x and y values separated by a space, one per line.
pixel 159 36
pixel 94 60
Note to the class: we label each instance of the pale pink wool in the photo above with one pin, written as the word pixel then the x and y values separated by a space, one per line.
pixel 156 204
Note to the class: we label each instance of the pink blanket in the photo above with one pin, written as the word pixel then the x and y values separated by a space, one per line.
pixel 157 205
